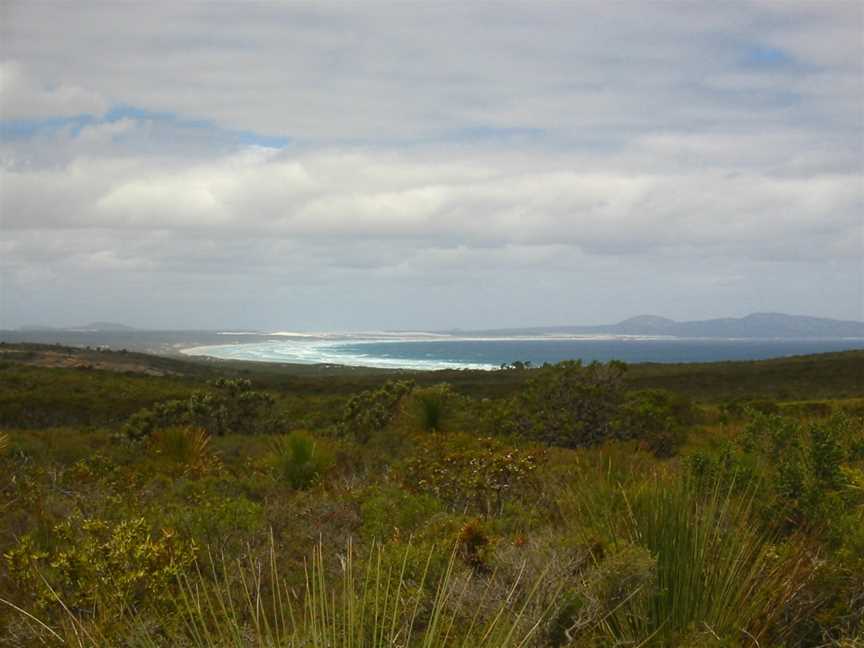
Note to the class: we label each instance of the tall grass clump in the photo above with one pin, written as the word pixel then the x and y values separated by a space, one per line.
pixel 716 576
pixel 298 460
pixel 186 446
pixel 373 603
pixel 431 407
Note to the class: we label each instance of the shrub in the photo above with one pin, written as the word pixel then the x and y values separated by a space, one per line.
pixel 479 475
pixel 803 464
pixel 231 407
pixel 568 404
pixel 368 413
pixel 94 566
pixel 657 418
pixel 144 423
pixel 227 523
pixel 389 511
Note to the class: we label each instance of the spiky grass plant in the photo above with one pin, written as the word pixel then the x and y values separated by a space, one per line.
pixel 374 605
pixel 431 407
pixel 4 443
pixel 187 446
pixel 298 459
pixel 715 570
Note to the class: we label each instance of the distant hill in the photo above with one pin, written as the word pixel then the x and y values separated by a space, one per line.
pixel 104 326
pixel 757 325
pixel 93 326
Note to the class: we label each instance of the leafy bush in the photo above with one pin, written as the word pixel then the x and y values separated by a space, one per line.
pixel 478 475
pixel 94 566
pixel 368 413
pixel 803 465
pixel 234 407
pixel 389 511
pixel 657 418
pixel 225 522
pixel 739 408
pixel 568 404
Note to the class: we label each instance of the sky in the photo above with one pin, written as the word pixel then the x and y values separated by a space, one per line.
pixel 406 165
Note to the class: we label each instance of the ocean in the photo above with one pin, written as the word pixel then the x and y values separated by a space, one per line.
pixel 491 353
pixel 429 351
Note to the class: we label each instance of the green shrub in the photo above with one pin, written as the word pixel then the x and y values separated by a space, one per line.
pixel 478 475
pixel 368 413
pixel 803 464
pixel 230 407
pixel 389 511
pixel 224 522
pixel 568 404
pixel 94 566
pixel 657 418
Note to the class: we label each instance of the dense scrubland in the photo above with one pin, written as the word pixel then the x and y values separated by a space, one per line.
pixel 157 502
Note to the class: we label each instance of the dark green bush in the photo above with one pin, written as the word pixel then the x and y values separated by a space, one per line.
pixel 232 406
pixel 568 404
pixel 368 413
pixel 657 418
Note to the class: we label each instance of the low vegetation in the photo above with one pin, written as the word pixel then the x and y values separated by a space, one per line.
pixel 574 505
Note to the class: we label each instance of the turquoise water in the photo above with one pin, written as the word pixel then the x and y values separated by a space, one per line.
pixel 430 351
pixel 491 353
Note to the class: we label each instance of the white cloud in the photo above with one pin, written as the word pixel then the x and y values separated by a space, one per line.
pixel 259 194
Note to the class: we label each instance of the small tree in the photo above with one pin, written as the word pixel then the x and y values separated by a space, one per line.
pixel 568 404
pixel 231 407
pixel 657 418
pixel 369 412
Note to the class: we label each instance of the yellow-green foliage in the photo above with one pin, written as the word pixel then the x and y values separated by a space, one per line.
pixel 4 442
pixel 754 536
pixel 94 565
pixel 391 512
pixel 471 474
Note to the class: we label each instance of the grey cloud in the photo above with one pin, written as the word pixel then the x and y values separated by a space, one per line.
pixel 328 71
pixel 22 97
pixel 521 163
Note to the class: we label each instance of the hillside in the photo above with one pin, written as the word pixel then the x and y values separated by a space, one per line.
pixel 756 325
pixel 155 502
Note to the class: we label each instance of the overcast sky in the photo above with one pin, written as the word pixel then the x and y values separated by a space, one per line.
pixel 347 166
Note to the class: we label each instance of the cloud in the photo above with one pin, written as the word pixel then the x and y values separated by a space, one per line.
pixel 332 72
pixel 25 98
pixel 420 202
pixel 617 155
